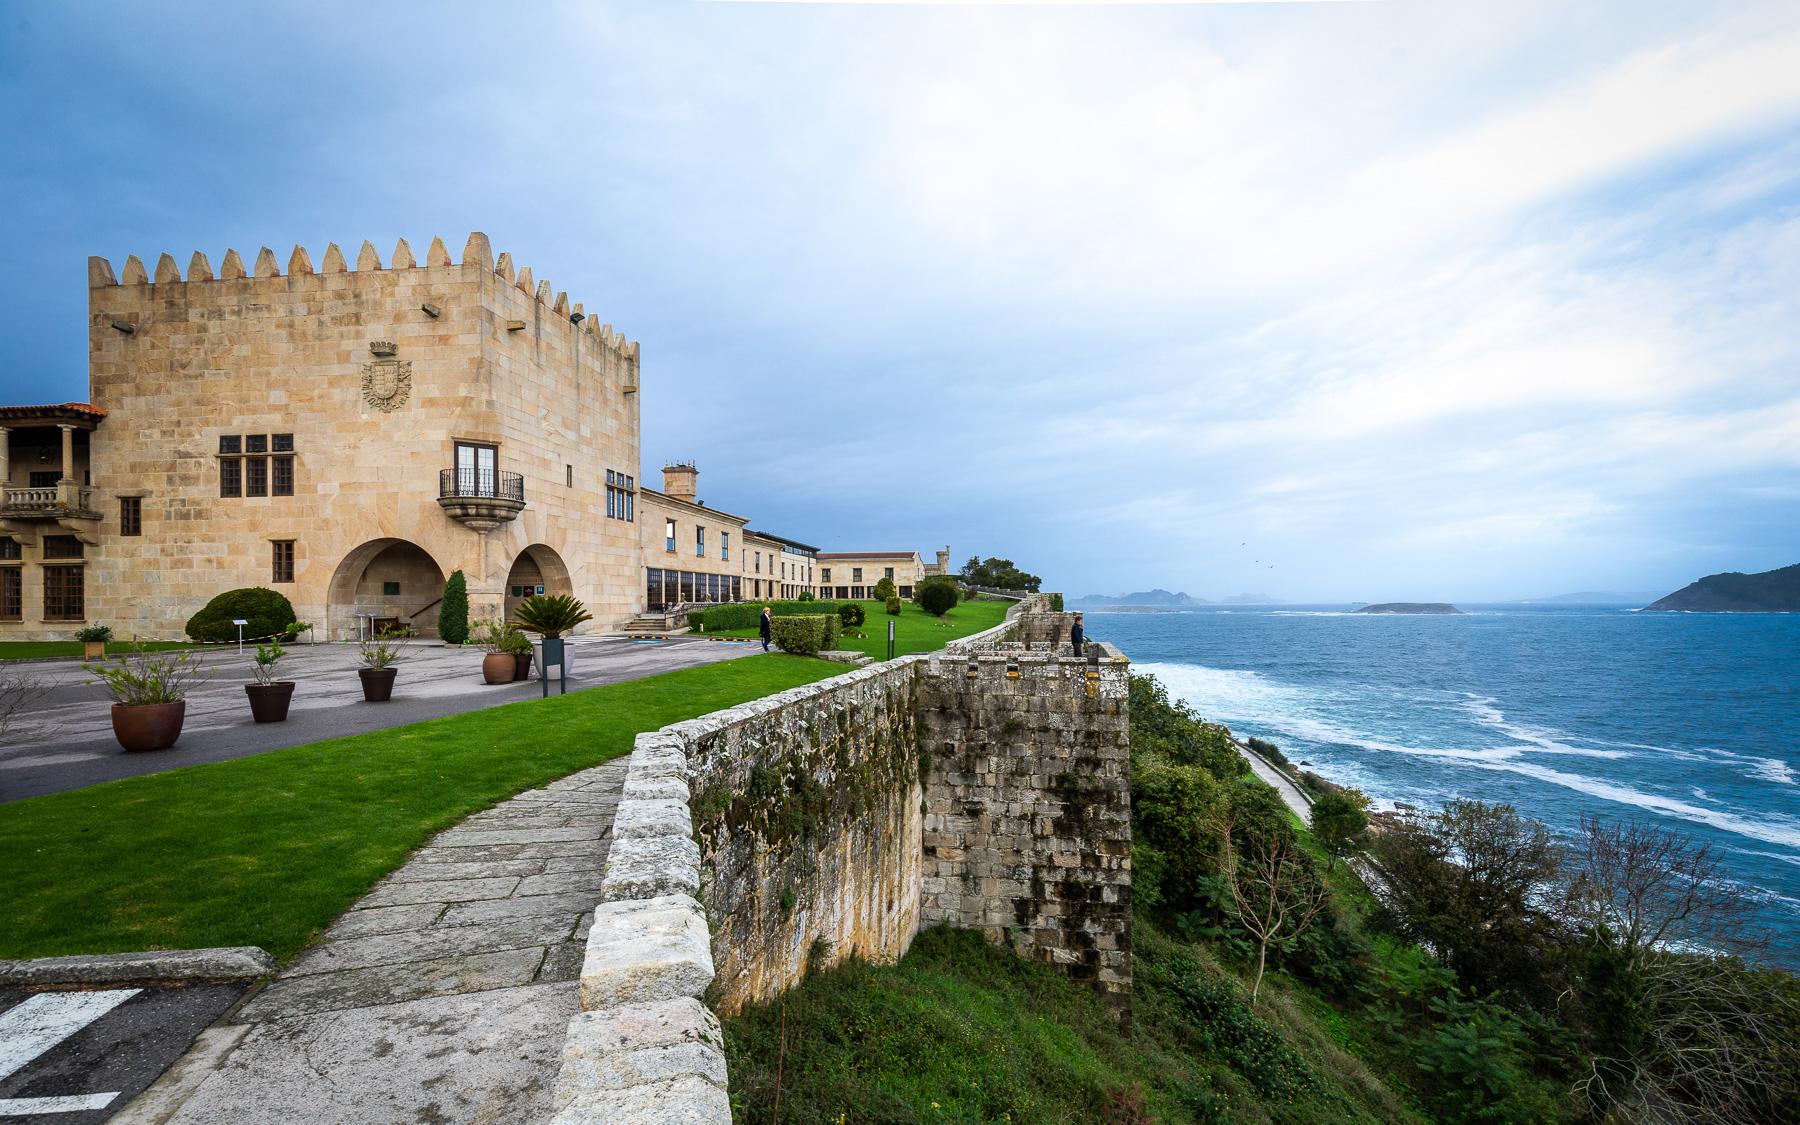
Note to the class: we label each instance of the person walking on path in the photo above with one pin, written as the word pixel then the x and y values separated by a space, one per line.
pixel 1077 635
pixel 766 628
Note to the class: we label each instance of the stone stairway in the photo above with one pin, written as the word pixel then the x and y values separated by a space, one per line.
pixel 441 996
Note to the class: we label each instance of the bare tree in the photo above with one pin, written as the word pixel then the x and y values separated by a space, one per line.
pixel 17 693
pixel 1684 1029
pixel 1274 891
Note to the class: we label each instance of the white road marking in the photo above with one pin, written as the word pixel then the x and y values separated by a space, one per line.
pixel 42 1021
pixel 73 1103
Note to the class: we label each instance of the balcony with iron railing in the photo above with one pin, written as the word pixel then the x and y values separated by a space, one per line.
pixel 58 501
pixel 481 499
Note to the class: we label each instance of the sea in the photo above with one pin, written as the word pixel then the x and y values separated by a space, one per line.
pixel 1685 720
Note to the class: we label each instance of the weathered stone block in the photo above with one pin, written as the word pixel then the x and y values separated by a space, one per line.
pixel 646 950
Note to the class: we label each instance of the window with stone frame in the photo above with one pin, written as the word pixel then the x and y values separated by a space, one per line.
pixel 282 560
pixel 63 547
pixel 131 515
pixel 12 593
pixel 669 535
pixel 10 550
pixel 63 593
pixel 256 465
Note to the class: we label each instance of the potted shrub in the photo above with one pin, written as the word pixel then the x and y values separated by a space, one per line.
pixel 518 646
pixel 379 653
pixel 269 697
pixel 93 640
pixel 550 616
pixel 149 693
pixel 498 666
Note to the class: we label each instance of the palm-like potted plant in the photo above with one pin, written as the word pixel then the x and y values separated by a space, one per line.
pixel 379 653
pixel 149 693
pixel 550 616
pixel 498 666
pixel 93 640
pixel 269 697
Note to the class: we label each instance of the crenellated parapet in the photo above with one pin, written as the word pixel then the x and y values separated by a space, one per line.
pixel 544 303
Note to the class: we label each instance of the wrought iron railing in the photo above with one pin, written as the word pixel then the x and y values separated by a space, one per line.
pixel 482 484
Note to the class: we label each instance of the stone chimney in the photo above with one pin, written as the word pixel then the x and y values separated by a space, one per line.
pixel 681 481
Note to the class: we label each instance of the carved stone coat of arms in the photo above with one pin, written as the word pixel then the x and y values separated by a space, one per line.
pixel 387 382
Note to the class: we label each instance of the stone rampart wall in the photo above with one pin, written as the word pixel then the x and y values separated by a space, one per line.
pixel 757 843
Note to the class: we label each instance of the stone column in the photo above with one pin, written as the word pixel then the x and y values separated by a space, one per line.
pixel 68 432
pixel 5 460
pixel 68 490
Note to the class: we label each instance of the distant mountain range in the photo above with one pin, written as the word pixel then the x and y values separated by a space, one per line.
pixel 1772 591
pixel 1163 599
pixel 1592 597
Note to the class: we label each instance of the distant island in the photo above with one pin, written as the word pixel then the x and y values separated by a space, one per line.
pixel 1160 599
pixel 1142 599
pixel 1772 591
pixel 1409 607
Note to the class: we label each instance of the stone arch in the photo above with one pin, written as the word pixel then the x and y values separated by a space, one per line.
pixel 361 581
pixel 537 565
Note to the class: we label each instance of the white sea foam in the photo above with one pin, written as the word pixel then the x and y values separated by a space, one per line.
pixel 1487 714
pixel 1766 769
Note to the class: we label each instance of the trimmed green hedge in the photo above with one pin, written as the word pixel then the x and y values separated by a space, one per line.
pixel 744 615
pixel 807 635
pixel 268 612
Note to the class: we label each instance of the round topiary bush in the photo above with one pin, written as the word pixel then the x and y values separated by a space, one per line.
pixel 884 590
pixel 850 613
pixel 893 605
pixel 269 614
pixel 936 595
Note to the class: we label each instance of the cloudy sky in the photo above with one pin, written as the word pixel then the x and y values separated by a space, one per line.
pixel 1332 301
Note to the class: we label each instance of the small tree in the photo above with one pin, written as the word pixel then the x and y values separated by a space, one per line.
pixel 893 606
pixel 1274 892
pixel 1339 820
pixel 884 590
pixel 936 595
pixel 453 611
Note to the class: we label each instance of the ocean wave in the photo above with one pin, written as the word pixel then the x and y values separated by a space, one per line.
pixel 1489 715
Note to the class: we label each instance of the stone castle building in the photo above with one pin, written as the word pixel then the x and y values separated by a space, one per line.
pixel 349 437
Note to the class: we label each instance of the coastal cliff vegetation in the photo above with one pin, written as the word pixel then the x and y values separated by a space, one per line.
pixel 1457 965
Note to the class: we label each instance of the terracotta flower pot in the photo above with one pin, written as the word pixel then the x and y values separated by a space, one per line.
pixel 148 726
pixel 523 661
pixel 378 683
pixel 93 650
pixel 498 667
pixel 269 702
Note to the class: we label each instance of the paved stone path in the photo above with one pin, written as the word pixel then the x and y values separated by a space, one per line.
pixel 442 996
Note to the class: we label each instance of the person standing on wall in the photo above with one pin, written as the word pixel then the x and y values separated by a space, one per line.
pixel 765 628
pixel 1077 635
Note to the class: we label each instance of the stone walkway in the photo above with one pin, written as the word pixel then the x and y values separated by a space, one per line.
pixel 442 996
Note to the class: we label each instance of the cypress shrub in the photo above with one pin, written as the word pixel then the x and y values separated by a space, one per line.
pixel 453 611
pixel 884 590
pixel 893 606
pixel 267 611
pixel 851 614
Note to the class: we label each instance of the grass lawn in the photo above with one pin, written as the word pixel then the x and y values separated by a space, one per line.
pixel 914 630
pixel 43 650
pixel 267 850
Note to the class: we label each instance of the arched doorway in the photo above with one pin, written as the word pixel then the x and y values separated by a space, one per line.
pixel 537 570
pixel 394 579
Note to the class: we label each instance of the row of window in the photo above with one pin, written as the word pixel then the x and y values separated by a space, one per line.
pixel 664 588
pixel 63 589
pixel 855 574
